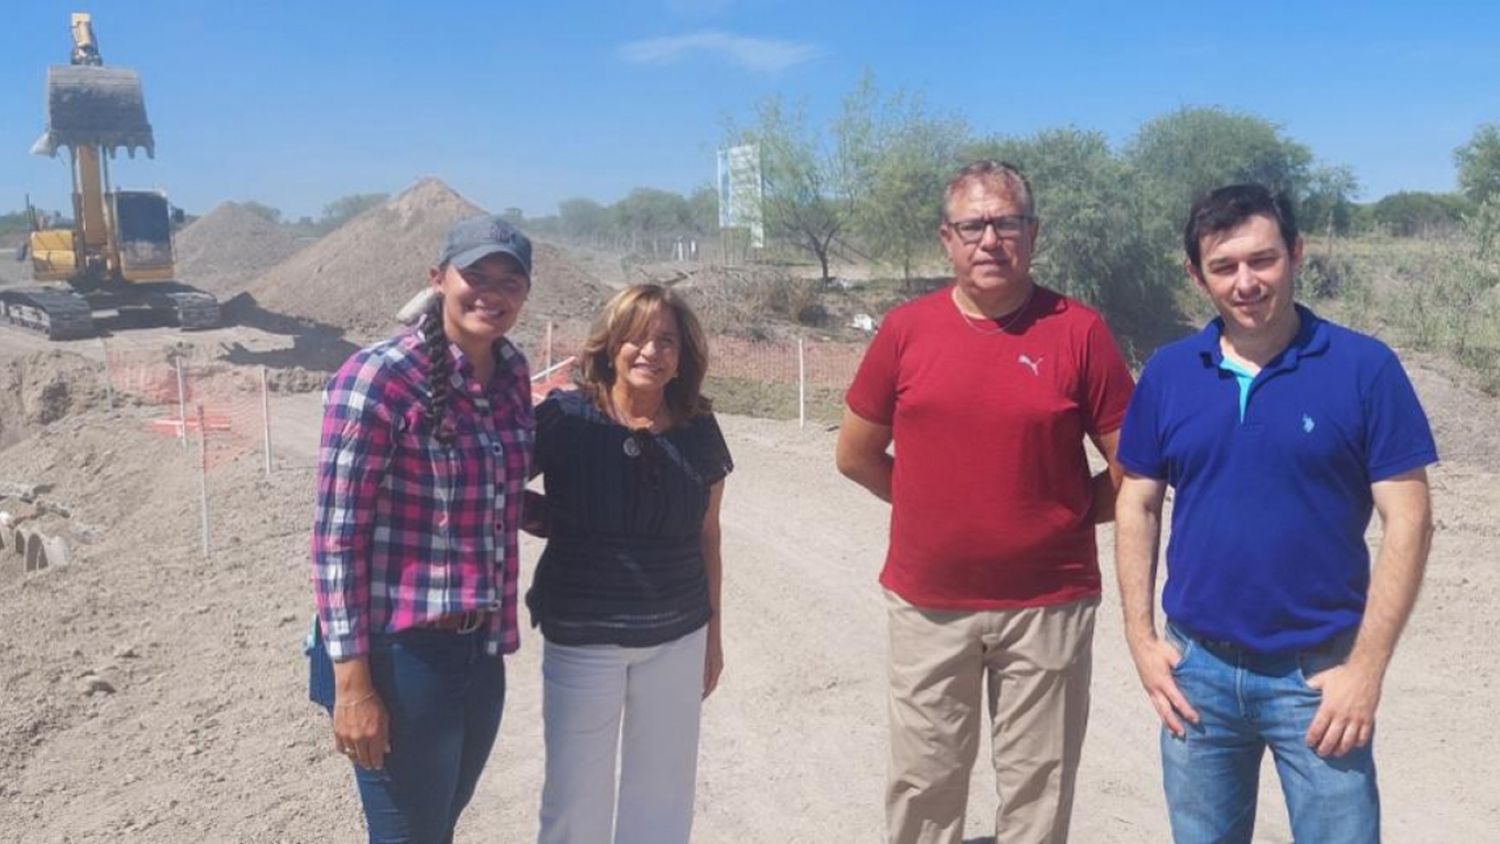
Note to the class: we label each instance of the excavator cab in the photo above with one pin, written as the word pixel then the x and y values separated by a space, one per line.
pixel 144 222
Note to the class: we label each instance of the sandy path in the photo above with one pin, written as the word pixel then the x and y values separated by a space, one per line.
pixel 793 745
pixel 209 736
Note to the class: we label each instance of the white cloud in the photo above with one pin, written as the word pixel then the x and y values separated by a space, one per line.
pixel 756 54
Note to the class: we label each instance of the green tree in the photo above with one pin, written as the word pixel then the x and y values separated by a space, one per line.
pixel 1181 155
pixel 1479 164
pixel 647 215
pixel 1327 205
pixel 346 208
pixel 703 210
pixel 1093 243
pixel 803 203
pixel 896 158
pixel 14 223
pixel 583 219
pixel 1420 214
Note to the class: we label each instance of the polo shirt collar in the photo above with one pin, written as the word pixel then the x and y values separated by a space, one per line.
pixel 1311 339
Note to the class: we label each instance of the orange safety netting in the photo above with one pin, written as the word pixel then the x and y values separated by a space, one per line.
pixel 228 400
pixel 825 364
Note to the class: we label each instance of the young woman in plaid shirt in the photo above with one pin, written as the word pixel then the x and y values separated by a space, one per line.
pixel 426 447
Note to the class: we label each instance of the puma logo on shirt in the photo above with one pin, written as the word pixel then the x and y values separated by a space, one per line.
pixel 1025 360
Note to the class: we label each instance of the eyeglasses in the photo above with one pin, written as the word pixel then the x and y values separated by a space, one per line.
pixel 1009 227
pixel 510 285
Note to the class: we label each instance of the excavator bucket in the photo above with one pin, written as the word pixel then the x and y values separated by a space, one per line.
pixel 89 105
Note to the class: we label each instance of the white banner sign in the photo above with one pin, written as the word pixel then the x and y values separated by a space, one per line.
pixel 740 192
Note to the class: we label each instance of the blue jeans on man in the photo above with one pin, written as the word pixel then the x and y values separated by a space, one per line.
pixel 1248 702
pixel 444 696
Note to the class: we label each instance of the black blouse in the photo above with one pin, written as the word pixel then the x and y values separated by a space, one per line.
pixel 624 557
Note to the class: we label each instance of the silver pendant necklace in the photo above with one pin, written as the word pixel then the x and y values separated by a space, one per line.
pixel 969 321
pixel 635 436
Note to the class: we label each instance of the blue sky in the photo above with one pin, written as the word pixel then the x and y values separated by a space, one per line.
pixel 526 103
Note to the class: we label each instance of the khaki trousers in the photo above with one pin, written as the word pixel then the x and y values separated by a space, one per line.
pixel 1034 663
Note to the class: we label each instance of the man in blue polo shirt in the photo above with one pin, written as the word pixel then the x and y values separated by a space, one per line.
pixel 1280 432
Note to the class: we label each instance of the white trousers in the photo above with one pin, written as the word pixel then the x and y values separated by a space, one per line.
pixel 604 704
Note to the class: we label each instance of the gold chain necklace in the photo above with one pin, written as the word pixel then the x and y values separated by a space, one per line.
pixel 969 321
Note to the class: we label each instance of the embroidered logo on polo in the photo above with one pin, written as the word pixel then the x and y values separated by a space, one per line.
pixel 1033 365
pixel 1308 424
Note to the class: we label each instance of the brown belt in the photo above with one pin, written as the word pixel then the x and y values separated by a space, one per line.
pixel 464 622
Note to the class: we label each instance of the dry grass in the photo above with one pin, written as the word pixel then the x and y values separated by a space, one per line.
pixel 1438 295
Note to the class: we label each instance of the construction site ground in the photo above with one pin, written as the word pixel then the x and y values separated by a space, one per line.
pixel 152 693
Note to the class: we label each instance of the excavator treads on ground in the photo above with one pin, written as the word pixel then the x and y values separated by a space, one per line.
pixel 59 314
pixel 89 105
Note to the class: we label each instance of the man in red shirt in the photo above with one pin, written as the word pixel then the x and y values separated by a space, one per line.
pixel 988 389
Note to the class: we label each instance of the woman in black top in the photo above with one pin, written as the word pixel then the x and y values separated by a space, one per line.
pixel 627 590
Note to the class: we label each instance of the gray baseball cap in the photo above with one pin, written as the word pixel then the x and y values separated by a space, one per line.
pixel 474 238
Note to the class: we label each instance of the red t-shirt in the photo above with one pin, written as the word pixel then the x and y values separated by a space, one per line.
pixel 991 490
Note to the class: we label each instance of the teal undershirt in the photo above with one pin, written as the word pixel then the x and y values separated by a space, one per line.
pixel 1244 378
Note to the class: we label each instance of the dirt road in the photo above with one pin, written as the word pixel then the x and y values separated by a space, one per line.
pixel 207 735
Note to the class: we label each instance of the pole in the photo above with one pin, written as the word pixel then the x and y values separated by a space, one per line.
pixel 801 386
pixel 181 404
pixel 203 475
pixel 547 353
pixel 109 376
pixel 265 415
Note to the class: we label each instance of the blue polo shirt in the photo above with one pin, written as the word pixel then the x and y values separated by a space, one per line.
pixel 1271 501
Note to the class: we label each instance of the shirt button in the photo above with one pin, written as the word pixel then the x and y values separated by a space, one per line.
pixel 497 449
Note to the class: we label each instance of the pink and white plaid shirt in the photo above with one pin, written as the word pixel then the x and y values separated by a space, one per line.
pixel 408 529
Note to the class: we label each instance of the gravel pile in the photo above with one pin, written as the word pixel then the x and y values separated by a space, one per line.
pixel 223 250
pixel 357 277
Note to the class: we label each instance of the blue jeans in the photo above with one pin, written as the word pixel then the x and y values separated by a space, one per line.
pixel 444 697
pixel 1247 702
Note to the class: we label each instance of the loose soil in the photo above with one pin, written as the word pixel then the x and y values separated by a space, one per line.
pixel 155 693
pixel 223 250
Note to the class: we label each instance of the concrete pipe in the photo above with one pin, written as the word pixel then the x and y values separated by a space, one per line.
pixel 56 550
pixel 36 555
pixel 24 548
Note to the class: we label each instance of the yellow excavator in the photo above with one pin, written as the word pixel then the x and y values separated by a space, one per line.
pixel 117 253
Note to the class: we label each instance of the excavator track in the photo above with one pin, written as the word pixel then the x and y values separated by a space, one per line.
pixel 59 314
pixel 194 310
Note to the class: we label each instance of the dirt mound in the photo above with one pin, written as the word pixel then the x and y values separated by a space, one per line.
pixel 223 250
pixel 562 291
pixel 44 387
pixel 144 647
pixel 358 277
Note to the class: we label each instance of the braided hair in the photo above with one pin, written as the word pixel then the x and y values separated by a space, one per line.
pixel 439 369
